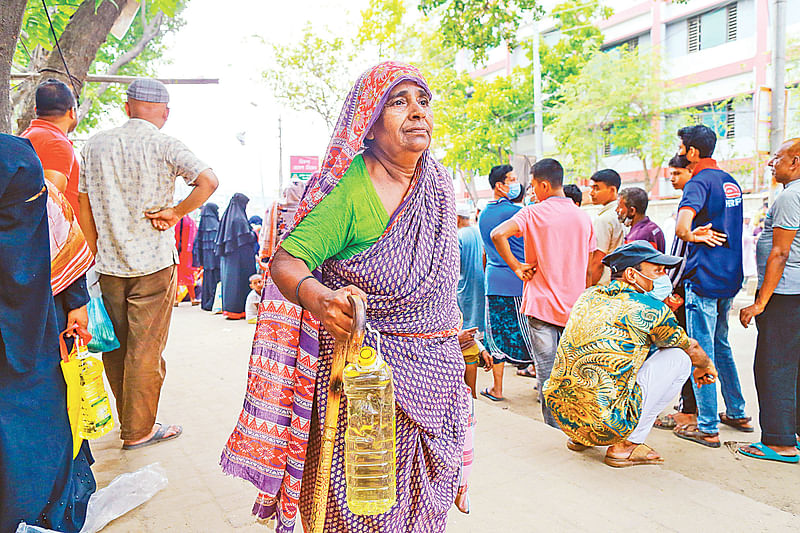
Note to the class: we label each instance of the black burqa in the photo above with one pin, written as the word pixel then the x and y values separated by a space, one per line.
pixel 204 253
pixel 236 247
pixel 40 482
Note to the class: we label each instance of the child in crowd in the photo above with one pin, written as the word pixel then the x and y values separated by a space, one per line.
pixel 254 298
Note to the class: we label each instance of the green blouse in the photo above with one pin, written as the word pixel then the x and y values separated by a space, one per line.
pixel 346 222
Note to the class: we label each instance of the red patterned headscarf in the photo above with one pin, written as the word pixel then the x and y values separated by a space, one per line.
pixel 362 107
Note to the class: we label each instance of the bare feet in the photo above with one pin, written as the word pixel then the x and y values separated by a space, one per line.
pixel 462 500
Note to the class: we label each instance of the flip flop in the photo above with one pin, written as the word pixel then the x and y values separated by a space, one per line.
pixel 692 433
pixel 637 457
pixel 485 392
pixel 526 373
pixel 665 422
pixel 769 454
pixel 156 438
pixel 737 423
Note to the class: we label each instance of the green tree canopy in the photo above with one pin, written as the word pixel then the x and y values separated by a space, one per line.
pixel 617 100
pixel 478 25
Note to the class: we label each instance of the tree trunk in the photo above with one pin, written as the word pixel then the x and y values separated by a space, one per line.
pixel 10 24
pixel 150 32
pixel 647 181
pixel 82 38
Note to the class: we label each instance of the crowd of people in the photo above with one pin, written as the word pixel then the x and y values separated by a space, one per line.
pixel 611 328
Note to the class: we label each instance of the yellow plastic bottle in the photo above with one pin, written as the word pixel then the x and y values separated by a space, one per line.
pixel 95 418
pixel 369 441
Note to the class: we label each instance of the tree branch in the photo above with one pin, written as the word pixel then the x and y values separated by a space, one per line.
pixel 10 26
pixel 149 33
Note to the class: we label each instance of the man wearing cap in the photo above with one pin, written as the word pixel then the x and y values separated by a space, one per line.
pixel 623 358
pixel 126 187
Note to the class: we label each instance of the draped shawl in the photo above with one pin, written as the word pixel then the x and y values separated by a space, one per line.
pixel 204 248
pixel 234 228
pixel 70 256
pixel 410 277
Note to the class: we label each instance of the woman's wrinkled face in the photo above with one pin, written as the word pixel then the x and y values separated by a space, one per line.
pixel 406 123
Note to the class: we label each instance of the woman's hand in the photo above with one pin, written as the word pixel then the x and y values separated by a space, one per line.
pixel 334 310
pixel 78 317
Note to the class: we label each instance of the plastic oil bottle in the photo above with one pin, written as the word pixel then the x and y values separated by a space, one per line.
pixel 95 418
pixel 369 456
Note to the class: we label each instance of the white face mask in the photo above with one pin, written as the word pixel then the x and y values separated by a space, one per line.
pixel 662 287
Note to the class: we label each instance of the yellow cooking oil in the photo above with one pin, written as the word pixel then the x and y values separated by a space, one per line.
pixel 95 416
pixel 369 440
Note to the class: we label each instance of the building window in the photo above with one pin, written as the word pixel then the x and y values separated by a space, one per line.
pixel 712 29
pixel 730 121
pixel 719 116
pixel 630 45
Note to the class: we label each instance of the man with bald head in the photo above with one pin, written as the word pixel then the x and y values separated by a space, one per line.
pixel 777 306
pixel 126 190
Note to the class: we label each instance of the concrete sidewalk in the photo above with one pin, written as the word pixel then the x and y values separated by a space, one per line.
pixel 524 479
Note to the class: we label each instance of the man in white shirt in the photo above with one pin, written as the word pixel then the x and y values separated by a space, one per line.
pixel 125 191
pixel 608 230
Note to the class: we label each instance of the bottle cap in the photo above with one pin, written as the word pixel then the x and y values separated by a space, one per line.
pixel 366 357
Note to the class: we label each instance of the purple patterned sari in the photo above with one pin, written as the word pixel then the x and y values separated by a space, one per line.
pixel 410 277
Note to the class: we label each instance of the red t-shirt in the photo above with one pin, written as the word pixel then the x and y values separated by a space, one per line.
pixel 56 153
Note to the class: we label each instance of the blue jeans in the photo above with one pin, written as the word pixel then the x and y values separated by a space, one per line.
pixel 545 337
pixel 707 323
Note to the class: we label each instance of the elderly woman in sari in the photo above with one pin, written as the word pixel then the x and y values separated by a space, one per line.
pixel 378 221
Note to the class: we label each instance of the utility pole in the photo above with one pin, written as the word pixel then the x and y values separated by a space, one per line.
pixel 538 121
pixel 280 156
pixel 778 111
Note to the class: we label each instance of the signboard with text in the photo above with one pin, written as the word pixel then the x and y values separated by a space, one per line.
pixel 301 167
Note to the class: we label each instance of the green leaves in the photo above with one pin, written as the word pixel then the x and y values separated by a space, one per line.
pixel 479 25
pixel 312 75
pixel 618 99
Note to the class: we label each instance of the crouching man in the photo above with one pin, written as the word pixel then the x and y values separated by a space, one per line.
pixel 623 358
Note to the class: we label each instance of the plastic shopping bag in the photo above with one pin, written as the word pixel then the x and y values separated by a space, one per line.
pixel 216 308
pixel 71 368
pixel 101 328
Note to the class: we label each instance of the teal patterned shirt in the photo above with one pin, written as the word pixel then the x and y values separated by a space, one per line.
pixel 592 390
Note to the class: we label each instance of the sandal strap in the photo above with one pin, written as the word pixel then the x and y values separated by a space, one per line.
pixel 640 452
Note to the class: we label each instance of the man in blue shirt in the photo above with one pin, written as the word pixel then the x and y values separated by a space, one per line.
pixel 471 291
pixel 710 220
pixel 507 334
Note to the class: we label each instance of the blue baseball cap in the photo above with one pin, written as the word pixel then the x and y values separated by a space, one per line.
pixel 633 253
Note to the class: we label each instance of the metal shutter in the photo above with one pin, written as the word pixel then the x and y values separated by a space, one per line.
pixel 730 121
pixel 693 34
pixel 732 22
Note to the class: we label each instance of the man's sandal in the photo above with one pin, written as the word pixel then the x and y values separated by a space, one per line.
pixel 157 437
pixel 739 424
pixel 692 433
pixel 637 457
pixel 767 454
pixel 666 422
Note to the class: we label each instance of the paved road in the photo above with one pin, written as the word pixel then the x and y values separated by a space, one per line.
pixel 524 479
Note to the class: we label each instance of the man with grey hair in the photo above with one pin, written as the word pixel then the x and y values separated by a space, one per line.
pixel 126 188
pixel 632 211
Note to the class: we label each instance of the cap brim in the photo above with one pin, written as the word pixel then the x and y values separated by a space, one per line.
pixel 669 261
